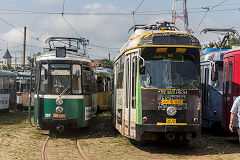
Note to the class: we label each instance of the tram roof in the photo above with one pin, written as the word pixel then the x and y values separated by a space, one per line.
pixel 51 55
pixel 7 74
pixel 25 74
pixel 104 71
pixel 138 34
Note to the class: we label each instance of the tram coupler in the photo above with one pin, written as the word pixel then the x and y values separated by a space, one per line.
pixel 60 128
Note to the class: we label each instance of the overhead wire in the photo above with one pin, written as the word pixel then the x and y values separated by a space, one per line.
pixel 19 29
pixel 208 9
pixel 142 13
pixel 73 29
pixel 15 11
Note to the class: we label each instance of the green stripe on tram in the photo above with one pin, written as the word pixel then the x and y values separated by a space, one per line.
pixel 73 108
pixel 138 98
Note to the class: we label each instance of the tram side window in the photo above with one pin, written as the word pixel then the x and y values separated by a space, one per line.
pixel 206 86
pixel 120 73
pixel 108 84
pixel 134 75
pixel 88 80
pixel 4 84
pixel 76 79
pixel 225 77
pixel 44 79
pixel 100 84
pixel 230 77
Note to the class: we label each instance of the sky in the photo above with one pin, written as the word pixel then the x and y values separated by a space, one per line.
pixel 104 23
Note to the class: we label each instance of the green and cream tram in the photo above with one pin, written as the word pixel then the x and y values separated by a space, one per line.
pixel 64 86
pixel 157 85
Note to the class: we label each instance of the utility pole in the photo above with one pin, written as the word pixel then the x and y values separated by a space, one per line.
pixel 109 58
pixel 24 48
pixel 183 15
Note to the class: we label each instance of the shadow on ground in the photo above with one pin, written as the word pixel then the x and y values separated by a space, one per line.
pixel 13 117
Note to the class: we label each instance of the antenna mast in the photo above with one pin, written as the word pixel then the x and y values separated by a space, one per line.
pixel 183 15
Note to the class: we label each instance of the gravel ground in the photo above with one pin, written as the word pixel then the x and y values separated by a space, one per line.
pixel 18 140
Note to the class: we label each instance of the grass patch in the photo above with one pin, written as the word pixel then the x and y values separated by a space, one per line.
pixel 105 114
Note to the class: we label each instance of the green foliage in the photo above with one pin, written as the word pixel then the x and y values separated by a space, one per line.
pixel 212 44
pixel 105 63
pixel 7 67
pixel 38 54
pixel 235 41
pixel 30 59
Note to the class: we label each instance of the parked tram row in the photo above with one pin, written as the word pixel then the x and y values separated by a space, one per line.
pixel 155 87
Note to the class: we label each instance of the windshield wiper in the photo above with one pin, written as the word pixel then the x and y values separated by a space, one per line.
pixel 64 91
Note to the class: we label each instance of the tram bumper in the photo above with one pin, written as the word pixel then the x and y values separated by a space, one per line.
pixel 152 129
pixel 61 121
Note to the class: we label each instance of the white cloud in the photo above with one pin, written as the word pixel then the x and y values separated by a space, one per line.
pixel 91 26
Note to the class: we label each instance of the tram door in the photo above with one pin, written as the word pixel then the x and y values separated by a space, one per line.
pixel 130 109
pixel 228 89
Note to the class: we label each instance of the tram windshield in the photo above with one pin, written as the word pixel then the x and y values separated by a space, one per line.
pixel 59 79
pixel 74 78
pixel 170 71
pixel 218 84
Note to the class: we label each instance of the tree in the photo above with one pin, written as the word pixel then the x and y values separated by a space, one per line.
pixel 234 41
pixel 7 67
pixel 30 60
pixel 105 63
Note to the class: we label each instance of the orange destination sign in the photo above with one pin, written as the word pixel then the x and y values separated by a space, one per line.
pixel 176 101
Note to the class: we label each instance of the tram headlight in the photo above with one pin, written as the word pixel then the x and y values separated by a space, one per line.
pixel 171 111
pixel 59 109
pixel 59 101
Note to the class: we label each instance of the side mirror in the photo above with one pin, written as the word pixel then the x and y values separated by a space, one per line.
pixel 45 74
pixel 214 72
pixel 142 67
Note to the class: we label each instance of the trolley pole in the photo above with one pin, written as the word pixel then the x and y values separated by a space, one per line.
pixel 24 48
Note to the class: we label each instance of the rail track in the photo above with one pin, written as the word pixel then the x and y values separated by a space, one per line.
pixel 44 147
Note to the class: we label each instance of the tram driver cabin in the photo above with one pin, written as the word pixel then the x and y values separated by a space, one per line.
pixel 157 84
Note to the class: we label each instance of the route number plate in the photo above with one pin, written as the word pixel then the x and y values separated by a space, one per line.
pixel 59 115
pixel 171 121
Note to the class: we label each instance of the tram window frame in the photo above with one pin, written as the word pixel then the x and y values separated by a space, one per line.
pixel 225 77
pixel 100 87
pixel 206 86
pixel 134 78
pixel 127 79
pixel 108 84
pixel 230 71
pixel 120 71
pixel 79 79
pixel 52 67
pixel 88 87
pixel 42 89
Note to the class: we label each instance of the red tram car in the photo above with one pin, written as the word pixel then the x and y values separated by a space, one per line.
pixel 231 84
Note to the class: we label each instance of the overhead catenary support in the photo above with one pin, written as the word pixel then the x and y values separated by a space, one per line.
pixel 24 48
pixel 183 16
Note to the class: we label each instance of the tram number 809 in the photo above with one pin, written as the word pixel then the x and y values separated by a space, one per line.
pixel 171 120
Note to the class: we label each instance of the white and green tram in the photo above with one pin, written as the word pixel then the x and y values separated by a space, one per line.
pixel 157 85
pixel 64 86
